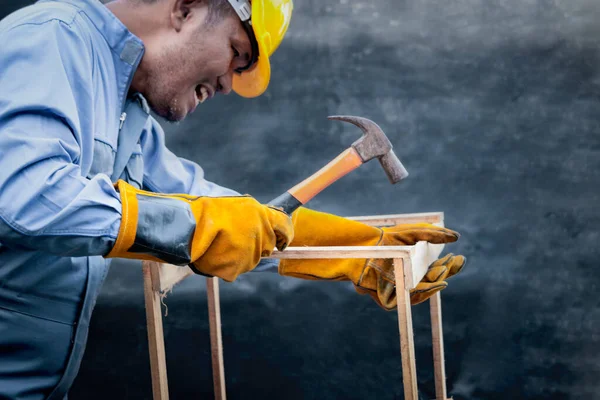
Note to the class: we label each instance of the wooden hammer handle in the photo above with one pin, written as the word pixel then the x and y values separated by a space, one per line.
pixel 303 192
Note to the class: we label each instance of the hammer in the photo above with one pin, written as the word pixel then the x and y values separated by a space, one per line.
pixel 373 144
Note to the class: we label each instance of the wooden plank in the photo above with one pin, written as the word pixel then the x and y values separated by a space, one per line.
pixel 155 268
pixel 330 252
pixel 394 219
pixel 170 275
pixel 437 340
pixel 407 345
pixel 156 340
pixel 216 340
pixel 421 255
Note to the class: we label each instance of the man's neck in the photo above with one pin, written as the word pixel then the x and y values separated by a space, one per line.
pixel 144 21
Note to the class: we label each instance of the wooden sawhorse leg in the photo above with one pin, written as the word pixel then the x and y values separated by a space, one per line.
pixel 153 287
pixel 437 341
pixel 404 282
pixel 216 340
pixel 156 340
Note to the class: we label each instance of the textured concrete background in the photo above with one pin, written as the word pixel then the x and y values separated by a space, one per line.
pixel 494 107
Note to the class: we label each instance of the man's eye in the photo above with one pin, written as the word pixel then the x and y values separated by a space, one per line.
pixel 235 52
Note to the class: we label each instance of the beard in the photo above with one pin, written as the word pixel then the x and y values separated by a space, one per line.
pixel 162 100
pixel 171 76
pixel 163 85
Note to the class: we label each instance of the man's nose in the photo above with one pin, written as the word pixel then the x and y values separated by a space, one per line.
pixel 225 82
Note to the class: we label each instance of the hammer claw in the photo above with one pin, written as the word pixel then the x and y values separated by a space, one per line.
pixel 363 123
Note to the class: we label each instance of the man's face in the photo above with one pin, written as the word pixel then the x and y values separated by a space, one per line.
pixel 193 62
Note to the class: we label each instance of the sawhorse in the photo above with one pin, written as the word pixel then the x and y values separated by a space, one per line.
pixel 410 264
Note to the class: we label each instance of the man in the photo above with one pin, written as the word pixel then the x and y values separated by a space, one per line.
pixel 85 175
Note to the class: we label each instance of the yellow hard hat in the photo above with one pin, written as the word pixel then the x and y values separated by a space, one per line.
pixel 266 23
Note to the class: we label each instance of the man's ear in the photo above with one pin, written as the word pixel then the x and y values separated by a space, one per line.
pixel 182 10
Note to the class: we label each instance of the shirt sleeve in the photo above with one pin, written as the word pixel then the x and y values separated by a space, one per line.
pixel 164 172
pixel 46 98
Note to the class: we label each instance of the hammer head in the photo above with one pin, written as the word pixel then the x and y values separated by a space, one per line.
pixel 374 144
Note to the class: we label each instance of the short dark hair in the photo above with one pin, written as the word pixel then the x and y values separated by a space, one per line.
pixel 217 9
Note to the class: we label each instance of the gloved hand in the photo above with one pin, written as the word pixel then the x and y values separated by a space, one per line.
pixel 380 273
pixel 433 281
pixel 373 276
pixel 215 236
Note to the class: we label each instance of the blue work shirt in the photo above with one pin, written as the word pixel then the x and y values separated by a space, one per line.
pixel 65 138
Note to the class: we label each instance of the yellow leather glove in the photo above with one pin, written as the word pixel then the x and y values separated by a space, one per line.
pixel 373 277
pixel 433 281
pixel 380 274
pixel 215 236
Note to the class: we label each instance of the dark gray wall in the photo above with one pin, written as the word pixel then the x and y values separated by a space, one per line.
pixel 495 109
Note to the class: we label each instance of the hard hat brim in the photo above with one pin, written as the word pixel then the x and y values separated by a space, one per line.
pixel 254 82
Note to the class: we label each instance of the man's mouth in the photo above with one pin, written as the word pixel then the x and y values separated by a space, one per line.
pixel 202 94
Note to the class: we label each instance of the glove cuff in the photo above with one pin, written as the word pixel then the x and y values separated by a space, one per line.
pixel 154 226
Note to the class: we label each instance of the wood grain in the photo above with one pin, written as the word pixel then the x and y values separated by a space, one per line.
pixel 156 340
pixel 394 219
pixel 407 345
pixel 216 340
pixel 437 341
pixel 331 252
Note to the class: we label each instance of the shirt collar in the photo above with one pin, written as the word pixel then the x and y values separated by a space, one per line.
pixel 127 48
pixel 124 43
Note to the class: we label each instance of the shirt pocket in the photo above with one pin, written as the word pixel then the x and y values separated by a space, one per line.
pixel 104 159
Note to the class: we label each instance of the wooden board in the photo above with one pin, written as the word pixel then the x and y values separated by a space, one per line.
pixel 170 275
pixel 407 346
pixel 329 252
pixel 156 340
pixel 394 219
pixel 421 255
pixel 216 340
pixel 437 342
